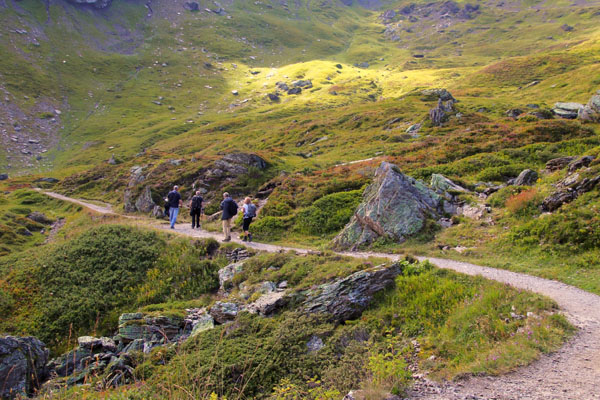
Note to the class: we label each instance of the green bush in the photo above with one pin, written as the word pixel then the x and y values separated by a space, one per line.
pixel 269 228
pixel 329 214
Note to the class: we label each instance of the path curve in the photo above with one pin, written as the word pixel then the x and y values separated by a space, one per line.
pixel 573 372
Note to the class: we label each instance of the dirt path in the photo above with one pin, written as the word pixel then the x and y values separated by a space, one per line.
pixel 573 372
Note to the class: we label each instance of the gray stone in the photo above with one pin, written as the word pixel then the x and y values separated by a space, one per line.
pixel 191 6
pixel 22 365
pixel 314 344
pixel 527 177
pixel 414 129
pixel 439 114
pixel 557 164
pixel 203 323
pixel 47 180
pixel 3 177
pixel 267 287
pixel 268 304
pixel 307 84
pixel 103 344
pixel 395 206
pixel 223 312
pixel 295 90
pixel 580 163
pixel 514 112
pixel 227 273
pixel 441 94
pixel 567 110
pixel 441 184
pixel 560 197
pixel 348 297
pixel 40 218
pixel 144 202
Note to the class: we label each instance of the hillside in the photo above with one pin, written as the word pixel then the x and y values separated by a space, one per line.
pixel 463 130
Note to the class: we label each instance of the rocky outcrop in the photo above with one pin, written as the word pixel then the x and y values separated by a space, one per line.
pixel 579 163
pixel 395 206
pixel 144 202
pixel 439 114
pixel 348 297
pixel 568 194
pixel 556 164
pixel 22 365
pixel 567 110
pixel 526 178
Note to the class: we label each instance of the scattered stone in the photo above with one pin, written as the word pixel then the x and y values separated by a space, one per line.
pixel 441 94
pixel 307 84
pixel 40 218
pixel 282 86
pixel 567 28
pixel 3 177
pixel 191 6
pixel 394 206
pixel 364 65
pixel 314 344
pixel 514 113
pixel 414 129
pixel 476 212
pixel 527 177
pixel 22 365
pixel 567 110
pixel 47 180
pixel 338 66
pixel 295 90
pixel 273 97
pixel 235 92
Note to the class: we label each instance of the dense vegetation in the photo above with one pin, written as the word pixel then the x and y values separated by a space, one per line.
pixel 84 284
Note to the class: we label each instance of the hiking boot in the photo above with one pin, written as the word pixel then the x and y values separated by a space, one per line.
pixel 249 237
pixel 227 239
pixel 244 238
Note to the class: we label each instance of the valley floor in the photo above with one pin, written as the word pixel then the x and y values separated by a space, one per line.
pixel 570 373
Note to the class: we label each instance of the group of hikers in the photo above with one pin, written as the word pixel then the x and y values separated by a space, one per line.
pixel 229 209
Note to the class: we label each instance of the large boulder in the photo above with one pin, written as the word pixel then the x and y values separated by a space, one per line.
pixel 144 202
pixel 591 111
pixel 348 297
pixel 567 110
pixel 22 365
pixel 395 206
pixel 526 178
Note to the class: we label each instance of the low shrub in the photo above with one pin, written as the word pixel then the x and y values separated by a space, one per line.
pixel 329 214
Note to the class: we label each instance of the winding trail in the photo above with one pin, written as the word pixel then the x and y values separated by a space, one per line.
pixel 573 372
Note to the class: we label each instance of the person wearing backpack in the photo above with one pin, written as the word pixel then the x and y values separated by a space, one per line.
pixel 230 209
pixel 174 199
pixel 249 214
pixel 196 209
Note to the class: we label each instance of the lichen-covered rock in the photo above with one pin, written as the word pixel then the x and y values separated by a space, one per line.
pixel 22 365
pixel 441 184
pixel 227 273
pixel 203 323
pixel 348 297
pixel 144 202
pixel 558 198
pixel 526 178
pixel 223 312
pixel 268 303
pixel 395 206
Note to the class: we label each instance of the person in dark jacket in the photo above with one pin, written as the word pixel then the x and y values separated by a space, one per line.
pixel 196 210
pixel 249 214
pixel 229 208
pixel 174 199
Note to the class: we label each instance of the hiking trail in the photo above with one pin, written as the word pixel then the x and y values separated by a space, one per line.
pixel 572 372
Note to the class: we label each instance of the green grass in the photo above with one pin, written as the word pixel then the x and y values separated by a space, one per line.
pixel 464 322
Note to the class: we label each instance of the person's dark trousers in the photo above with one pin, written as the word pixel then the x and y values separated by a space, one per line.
pixel 195 219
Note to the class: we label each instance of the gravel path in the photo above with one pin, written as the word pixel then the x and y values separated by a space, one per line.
pixel 573 372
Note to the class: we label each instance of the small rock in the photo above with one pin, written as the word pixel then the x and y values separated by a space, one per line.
pixel 314 344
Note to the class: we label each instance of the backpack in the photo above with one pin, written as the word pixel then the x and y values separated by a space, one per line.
pixel 251 211
pixel 197 203
pixel 233 208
